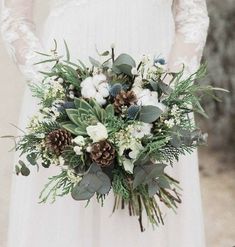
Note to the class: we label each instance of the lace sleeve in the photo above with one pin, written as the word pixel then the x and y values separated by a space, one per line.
pixel 18 34
pixel 191 24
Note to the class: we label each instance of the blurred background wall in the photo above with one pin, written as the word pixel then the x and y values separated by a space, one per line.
pixel 217 164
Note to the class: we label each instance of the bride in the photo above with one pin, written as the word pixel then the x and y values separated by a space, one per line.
pixel 173 29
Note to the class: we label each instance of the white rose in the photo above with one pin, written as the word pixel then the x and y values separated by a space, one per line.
pixel 97 132
pixel 79 140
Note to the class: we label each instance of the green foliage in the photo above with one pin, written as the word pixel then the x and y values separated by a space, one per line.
pixel 149 113
pixel 74 161
pixel 94 181
pixel 146 172
pixel 186 94
pixel 124 64
pixel 120 185
pixel 58 185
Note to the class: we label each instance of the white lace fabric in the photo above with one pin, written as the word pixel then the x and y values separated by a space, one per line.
pixel 17 29
pixel 191 24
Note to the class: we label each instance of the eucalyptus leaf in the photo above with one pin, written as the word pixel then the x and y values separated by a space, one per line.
pixel 154 85
pixel 67 51
pixel 105 53
pixel 145 173
pixel 163 183
pixel 24 170
pixel 17 170
pixel 166 89
pixel 149 113
pixel 32 158
pixel 94 62
pixel 94 181
pixel 153 187
pixel 124 63
pixel 175 140
pixel 79 192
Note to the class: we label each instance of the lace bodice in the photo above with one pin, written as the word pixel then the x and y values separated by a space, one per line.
pixel 190 16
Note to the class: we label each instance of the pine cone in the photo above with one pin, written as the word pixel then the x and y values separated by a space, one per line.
pixel 124 99
pixel 102 153
pixel 58 140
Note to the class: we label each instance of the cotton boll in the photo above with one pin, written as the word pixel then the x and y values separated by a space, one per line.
pixel 99 98
pixel 144 93
pixel 103 90
pixel 137 90
pixel 154 94
pixel 88 92
pixel 98 79
pixel 88 80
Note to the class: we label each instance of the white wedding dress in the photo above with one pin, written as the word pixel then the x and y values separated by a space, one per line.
pixel 175 30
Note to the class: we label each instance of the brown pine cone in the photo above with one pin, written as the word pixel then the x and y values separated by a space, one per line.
pixel 102 153
pixel 58 140
pixel 124 99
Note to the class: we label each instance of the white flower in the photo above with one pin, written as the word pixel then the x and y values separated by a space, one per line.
pixel 97 132
pixel 88 149
pixel 71 87
pixel 99 98
pixel 60 80
pixel 147 97
pixel 77 150
pixel 135 147
pixel 40 135
pixel 174 110
pixel 169 123
pixel 79 140
pixel 112 46
pixel 95 87
pixel 71 95
pixel 134 71
pixel 73 177
pixel 142 129
pixel 128 165
pixel 145 59
pixel 103 90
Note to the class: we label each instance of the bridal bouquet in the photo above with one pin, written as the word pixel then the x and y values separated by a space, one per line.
pixel 114 127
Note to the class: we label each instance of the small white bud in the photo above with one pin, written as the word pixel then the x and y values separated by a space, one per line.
pixel 60 80
pixel 71 87
pixel 112 45
pixel 134 71
pixel 71 95
pixel 77 150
